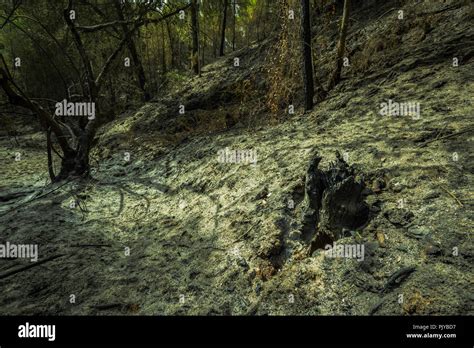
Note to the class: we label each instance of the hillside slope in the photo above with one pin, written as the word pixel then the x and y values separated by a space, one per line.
pixel 175 231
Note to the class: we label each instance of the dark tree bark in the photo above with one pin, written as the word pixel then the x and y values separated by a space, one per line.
pixel 49 146
pixel 18 98
pixel 307 56
pixel 138 66
pixel 224 24
pixel 195 36
pixel 171 42
pixel 234 2
pixel 203 49
pixel 163 49
pixel 333 202
pixel 341 46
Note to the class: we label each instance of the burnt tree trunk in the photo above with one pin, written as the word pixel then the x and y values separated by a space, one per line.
pixel 163 49
pixel 172 46
pixel 235 18
pixel 341 46
pixel 333 203
pixel 195 36
pixel 224 24
pixel 307 56
pixel 17 98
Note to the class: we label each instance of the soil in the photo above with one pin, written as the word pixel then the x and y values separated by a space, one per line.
pixel 172 231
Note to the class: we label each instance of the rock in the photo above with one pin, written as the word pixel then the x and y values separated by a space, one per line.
pixel 262 194
pixel 118 171
pixel 433 250
pixel 375 209
pixel 438 84
pixel 258 288
pixel 418 232
pixel 269 246
pixel 402 247
pixel 370 263
pixel 380 238
pixel 295 235
pixel 378 185
pixel 399 217
pixel 242 263
pixel 431 195
pixel 396 186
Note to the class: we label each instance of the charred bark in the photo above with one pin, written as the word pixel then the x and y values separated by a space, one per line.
pixel 224 25
pixel 195 37
pixel 333 203
pixel 341 46
pixel 307 55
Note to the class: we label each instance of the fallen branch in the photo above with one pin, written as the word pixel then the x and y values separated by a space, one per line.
pixel 452 195
pixel 31 265
pixel 398 277
pixel 446 136
pixel 449 8
pixel 376 307
pixel 91 246
pixel 14 195
pixel 242 237
pixel 35 198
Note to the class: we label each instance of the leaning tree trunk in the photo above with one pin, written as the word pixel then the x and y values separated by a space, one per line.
pixel 341 46
pixel 224 24
pixel 171 42
pixel 235 18
pixel 163 50
pixel 17 97
pixel 195 36
pixel 307 57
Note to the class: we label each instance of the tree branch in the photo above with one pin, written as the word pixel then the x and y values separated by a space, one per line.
pixel 44 117
pixel 82 52
pixel 93 28
pixel 16 5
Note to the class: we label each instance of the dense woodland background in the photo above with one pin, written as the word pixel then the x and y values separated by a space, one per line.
pixel 118 54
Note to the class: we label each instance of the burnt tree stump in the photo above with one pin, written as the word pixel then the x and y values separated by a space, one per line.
pixel 333 202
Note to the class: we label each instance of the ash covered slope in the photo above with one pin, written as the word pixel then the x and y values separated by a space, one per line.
pixel 225 238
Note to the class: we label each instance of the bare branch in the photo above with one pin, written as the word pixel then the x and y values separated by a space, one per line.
pixel 82 52
pixel 93 28
pixel 19 99
pixel 112 57
pixel 16 5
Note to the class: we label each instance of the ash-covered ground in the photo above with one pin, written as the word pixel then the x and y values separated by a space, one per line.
pixel 165 228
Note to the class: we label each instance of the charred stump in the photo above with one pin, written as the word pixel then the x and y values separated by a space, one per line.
pixel 333 202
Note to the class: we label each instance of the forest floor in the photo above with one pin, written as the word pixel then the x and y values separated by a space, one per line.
pixel 202 235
